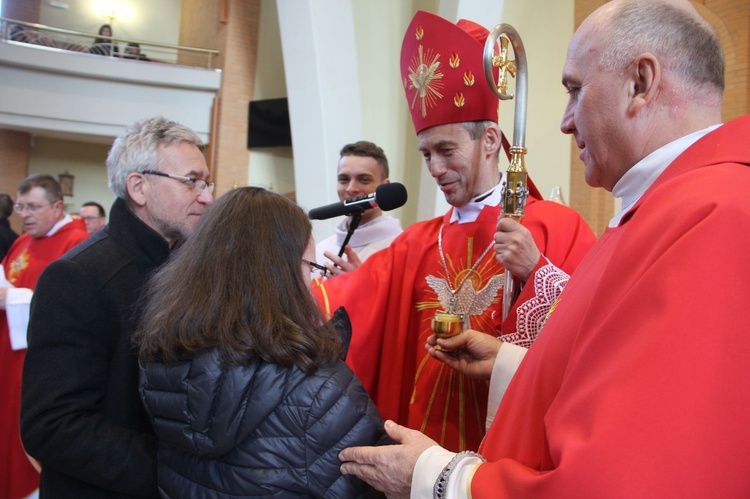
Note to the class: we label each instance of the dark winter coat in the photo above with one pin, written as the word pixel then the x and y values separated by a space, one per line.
pixel 81 414
pixel 258 429
pixel 7 236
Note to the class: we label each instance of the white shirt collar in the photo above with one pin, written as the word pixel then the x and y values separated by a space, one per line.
pixel 470 211
pixel 63 221
pixel 639 178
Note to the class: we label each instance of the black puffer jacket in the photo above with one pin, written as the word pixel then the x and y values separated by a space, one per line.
pixel 257 430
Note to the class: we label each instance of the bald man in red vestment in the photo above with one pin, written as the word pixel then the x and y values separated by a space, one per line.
pixel 637 385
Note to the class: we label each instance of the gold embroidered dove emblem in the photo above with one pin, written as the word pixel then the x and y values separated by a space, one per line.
pixel 424 77
pixel 468 300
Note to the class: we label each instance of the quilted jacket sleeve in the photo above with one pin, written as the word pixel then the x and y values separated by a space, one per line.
pixel 341 415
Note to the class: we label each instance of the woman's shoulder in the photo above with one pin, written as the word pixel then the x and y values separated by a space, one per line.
pixel 336 395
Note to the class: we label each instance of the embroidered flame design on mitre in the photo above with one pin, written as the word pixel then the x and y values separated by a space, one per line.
pixel 468 79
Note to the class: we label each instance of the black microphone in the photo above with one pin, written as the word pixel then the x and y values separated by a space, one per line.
pixel 387 197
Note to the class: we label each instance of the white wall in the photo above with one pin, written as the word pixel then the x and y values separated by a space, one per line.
pixel 546 28
pixel 83 160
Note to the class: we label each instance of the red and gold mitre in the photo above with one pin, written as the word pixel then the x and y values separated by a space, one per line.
pixel 443 72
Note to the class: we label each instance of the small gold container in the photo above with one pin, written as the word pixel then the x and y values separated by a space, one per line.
pixel 445 325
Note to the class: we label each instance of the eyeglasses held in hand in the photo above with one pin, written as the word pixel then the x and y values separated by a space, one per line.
pixel 198 183
pixel 316 267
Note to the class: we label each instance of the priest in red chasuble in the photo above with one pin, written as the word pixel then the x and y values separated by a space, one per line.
pixel 449 262
pixel 638 385
pixel 48 233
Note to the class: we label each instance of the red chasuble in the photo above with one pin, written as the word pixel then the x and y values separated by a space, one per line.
pixel 22 265
pixel 639 385
pixel 393 296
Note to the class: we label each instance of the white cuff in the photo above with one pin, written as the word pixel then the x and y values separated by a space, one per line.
pixel 17 301
pixel 427 470
pixel 507 360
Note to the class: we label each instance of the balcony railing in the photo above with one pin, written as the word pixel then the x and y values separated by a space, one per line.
pixel 111 46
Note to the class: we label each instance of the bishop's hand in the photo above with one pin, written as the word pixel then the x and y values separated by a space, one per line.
pixel 515 248
pixel 471 352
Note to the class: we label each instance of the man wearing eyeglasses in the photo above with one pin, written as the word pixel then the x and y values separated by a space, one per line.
pixel 93 215
pixel 48 233
pixel 81 413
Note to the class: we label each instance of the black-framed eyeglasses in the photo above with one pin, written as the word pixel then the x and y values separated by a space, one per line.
pixel 316 267
pixel 198 183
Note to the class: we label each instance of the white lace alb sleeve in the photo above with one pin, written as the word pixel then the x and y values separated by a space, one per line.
pixel 548 283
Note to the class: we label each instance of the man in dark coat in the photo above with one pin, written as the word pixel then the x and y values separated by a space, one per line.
pixel 81 415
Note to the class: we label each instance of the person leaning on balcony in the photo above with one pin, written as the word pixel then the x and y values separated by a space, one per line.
pixel 133 51
pixel 105 46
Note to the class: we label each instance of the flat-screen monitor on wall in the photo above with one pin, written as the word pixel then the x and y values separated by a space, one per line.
pixel 268 123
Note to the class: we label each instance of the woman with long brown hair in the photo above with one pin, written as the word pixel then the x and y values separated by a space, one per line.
pixel 241 377
pixel 105 46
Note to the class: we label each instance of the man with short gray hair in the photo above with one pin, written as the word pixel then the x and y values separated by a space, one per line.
pixel 81 414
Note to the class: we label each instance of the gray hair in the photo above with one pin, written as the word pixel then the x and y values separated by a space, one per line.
pixel 137 149
pixel 685 45
pixel 476 128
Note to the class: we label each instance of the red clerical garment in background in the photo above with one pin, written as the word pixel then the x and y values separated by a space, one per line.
pixel 391 303
pixel 639 385
pixel 22 265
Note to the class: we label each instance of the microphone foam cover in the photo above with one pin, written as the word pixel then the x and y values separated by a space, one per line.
pixel 390 196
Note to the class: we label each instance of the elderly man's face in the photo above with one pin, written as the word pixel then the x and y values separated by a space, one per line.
pixel 174 207
pixel 38 214
pixel 596 112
